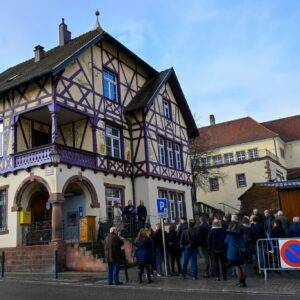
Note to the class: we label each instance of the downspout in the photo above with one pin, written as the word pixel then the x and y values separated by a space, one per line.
pixel 132 160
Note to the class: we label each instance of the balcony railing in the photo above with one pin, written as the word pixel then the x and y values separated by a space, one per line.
pixel 44 154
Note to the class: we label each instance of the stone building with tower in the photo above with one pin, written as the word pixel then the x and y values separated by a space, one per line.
pixel 83 126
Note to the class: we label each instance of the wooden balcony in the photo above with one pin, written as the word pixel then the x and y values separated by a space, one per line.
pixel 54 154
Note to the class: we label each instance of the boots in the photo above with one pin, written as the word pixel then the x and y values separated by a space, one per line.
pixel 242 283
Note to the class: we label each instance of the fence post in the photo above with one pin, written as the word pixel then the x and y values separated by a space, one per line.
pixel 55 264
pixel 2 264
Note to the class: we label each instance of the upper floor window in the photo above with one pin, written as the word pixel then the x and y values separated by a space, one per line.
pixel 214 184
pixel 205 161
pixel 240 155
pixel 282 153
pixel 228 158
pixel 253 153
pixel 217 159
pixel 113 141
pixel 167 109
pixel 161 151
pixel 178 161
pixel 110 87
pixel 1 139
pixel 3 210
pixel 241 180
pixel 170 154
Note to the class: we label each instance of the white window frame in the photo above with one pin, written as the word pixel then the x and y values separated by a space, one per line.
pixel 172 207
pixel 253 153
pixel 217 159
pixel 170 153
pixel 1 139
pixel 161 150
pixel 228 158
pixel 113 138
pixel 241 155
pixel 111 83
pixel 178 157
pixel 167 108
pixel 238 182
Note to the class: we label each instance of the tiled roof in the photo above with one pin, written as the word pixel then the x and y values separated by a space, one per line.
pixel 287 128
pixel 282 184
pixel 232 133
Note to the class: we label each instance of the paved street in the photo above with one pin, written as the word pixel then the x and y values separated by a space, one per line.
pixel 71 285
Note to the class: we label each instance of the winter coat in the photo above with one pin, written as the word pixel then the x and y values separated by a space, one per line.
pixel 190 239
pixel 278 232
pixel 158 240
pixel 182 228
pixel 216 240
pixel 257 232
pixel 143 251
pixel 284 223
pixel 112 248
pixel 173 242
pixel 268 225
pixel 203 230
pixel 294 230
pixel 142 213
pixel 235 243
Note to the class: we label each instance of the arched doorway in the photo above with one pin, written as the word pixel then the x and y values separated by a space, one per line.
pixel 39 207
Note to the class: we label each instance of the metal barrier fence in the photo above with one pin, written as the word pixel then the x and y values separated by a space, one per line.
pixel 268 256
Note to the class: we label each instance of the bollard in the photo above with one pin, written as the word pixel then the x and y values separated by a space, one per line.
pixel 56 264
pixel 2 264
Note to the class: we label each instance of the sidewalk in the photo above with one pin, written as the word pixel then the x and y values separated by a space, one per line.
pixel 286 283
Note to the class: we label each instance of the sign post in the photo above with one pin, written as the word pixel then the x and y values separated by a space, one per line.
pixel 162 212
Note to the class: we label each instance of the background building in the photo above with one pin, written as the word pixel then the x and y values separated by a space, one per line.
pixel 244 151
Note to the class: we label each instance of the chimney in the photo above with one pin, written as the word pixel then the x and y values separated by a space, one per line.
pixel 64 33
pixel 212 120
pixel 38 53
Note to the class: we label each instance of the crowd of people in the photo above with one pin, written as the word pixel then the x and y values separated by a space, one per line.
pixel 225 243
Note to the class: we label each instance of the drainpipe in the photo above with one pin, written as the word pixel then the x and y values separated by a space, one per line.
pixel 132 160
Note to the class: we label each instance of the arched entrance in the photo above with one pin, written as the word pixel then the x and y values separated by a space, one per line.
pixel 33 196
pixel 80 199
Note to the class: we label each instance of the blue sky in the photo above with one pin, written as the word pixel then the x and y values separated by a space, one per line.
pixel 233 58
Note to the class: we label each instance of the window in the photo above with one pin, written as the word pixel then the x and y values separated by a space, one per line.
pixel 167 109
pixel 170 154
pixel 113 196
pixel 161 151
pixel 240 155
pixel 1 139
pixel 214 184
pixel 241 180
pixel 3 210
pixel 205 161
pixel 110 90
pixel 178 161
pixel 282 153
pixel 228 158
pixel 217 159
pixel 253 153
pixel 113 142
pixel 176 204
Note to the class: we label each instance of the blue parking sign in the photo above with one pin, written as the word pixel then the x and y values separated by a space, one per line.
pixel 162 207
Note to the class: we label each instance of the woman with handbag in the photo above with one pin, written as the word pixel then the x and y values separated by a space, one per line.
pixel 236 249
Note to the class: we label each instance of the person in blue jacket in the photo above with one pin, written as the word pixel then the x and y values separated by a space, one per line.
pixel 294 230
pixel 143 254
pixel 236 249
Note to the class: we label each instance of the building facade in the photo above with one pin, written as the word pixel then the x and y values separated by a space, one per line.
pixel 85 125
pixel 242 152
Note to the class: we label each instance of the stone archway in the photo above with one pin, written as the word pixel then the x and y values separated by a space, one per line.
pixel 87 184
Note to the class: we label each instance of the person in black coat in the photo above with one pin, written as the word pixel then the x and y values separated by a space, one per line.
pixel 143 254
pixel 216 244
pixel 277 230
pixel 159 248
pixel 141 212
pixel 174 249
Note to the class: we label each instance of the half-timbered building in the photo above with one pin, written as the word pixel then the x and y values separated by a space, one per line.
pixel 87 124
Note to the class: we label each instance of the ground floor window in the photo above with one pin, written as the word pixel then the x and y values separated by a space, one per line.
pixel 3 210
pixel 113 195
pixel 176 204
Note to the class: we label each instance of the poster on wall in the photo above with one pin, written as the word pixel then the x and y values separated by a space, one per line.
pixel 289 253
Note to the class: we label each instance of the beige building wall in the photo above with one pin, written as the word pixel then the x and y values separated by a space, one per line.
pixel 292 154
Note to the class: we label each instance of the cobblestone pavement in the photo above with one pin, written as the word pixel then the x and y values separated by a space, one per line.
pixel 284 284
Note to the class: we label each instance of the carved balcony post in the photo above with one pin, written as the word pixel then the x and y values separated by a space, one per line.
pixel 53 109
pixel 57 200
pixel 94 122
